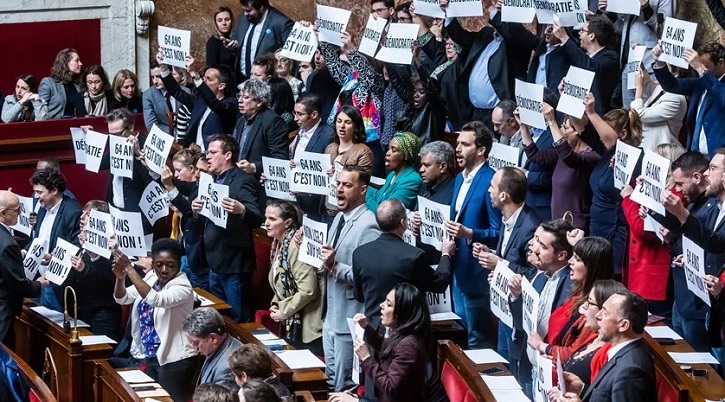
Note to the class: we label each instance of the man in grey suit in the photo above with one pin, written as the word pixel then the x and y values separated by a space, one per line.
pixel 354 226
pixel 261 29
pixel 207 333
pixel 157 101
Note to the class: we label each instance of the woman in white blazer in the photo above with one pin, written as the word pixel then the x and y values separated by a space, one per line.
pixel 661 114
pixel 161 300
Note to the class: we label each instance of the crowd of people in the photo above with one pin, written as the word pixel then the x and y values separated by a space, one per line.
pixel 556 220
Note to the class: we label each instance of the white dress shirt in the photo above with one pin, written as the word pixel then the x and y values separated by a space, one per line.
pixel 508 228
pixel 46 227
pixel 465 186
pixel 255 32
pixel 117 187
pixel 615 349
pixel 304 138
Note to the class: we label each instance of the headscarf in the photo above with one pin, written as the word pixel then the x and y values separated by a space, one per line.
pixel 409 144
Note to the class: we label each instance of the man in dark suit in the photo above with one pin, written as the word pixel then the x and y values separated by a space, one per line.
pixel 381 264
pixel 593 54
pixel 494 61
pixel 473 219
pixel 629 373
pixel 706 133
pixel 14 286
pixel 321 83
pixel 313 136
pixel 213 110
pixel 259 131
pixel 58 217
pixel 508 192
pixel 230 251
pixel 261 29
pixel 549 63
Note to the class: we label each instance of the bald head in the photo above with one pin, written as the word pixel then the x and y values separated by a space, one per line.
pixel 391 216
pixel 9 207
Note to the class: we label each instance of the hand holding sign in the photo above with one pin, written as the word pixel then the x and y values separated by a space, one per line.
pixel 233 206
pixel 677 36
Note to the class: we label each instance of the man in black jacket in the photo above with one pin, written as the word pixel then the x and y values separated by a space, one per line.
pixel 230 250
pixel 261 29
pixel 14 286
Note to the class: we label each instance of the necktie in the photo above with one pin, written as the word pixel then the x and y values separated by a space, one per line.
pixel 167 96
pixel 338 230
pixel 248 51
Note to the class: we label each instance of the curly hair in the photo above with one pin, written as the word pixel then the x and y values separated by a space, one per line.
pixel 60 71
pixel 50 178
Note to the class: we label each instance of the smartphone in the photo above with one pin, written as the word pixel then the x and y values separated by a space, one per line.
pixel 665 341
pixel 144 388
pixel 699 373
pixel 492 371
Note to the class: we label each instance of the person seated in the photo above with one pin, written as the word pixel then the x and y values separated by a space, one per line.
pixel 297 301
pixel 403 359
pixel 207 333
pixel 93 282
pixel 61 91
pixel 95 97
pixel 252 362
pixel 259 391
pixel 161 300
pixel 214 393
pixel 126 92
pixel 403 181
pixel 25 104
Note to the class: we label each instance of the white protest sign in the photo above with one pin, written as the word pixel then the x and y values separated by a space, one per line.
pixel 464 8
pixel 654 175
pixel 26 208
pixel 530 306
pixel 560 373
pixel 332 195
pixel 431 8
pixel 677 35
pixel 156 149
pixel 60 265
pixel 543 382
pixel 408 236
pixel 122 156
pixel 314 236
pixel 129 232
pixel 500 293
pixel 625 160
pixel 634 59
pixel 529 98
pixel 519 11
pixel 440 302
pixel 301 43
pixel 211 194
pixel 568 13
pixel 277 173
pixel 695 269
pixel 651 225
pixel 631 7
pixel 310 173
pixel 78 137
pixel 332 22
pixel 174 45
pixel 432 216
pixel 371 35
pixel 97 233
pixel 95 145
pixel 398 45
pixel 503 155
pixel 577 84
pixel 356 331
pixel 31 263
pixel 154 202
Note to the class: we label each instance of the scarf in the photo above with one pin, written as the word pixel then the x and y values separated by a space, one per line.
pixel 440 69
pixel 288 281
pixel 366 106
pixel 95 104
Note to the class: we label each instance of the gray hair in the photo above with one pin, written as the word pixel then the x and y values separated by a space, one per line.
pixel 203 322
pixel 258 90
pixel 441 151
pixel 507 107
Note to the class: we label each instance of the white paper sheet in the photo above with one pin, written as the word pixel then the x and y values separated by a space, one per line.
pixel 204 301
pixel 56 317
pixel 662 331
pixel 299 359
pixel 135 376
pixel 449 316
pixel 96 340
pixel 483 356
pixel 509 395
pixel 693 358
pixel 504 382
pixel 266 337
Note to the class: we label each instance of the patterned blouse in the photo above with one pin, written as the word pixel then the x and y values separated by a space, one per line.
pixel 149 338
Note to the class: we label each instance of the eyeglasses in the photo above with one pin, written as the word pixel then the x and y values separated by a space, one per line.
pixel 584 30
pixel 588 303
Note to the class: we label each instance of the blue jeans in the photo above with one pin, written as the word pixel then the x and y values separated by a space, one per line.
pixel 475 312
pixel 233 289
pixel 48 299
pixel 504 340
pixel 692 330
pixel 197 279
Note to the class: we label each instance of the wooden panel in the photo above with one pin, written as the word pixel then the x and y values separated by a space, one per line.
pixel 451 353
pixel 33 380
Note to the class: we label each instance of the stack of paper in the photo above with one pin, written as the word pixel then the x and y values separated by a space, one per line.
pixel 299 359
pixel 662 331
pixel 483 356
pixel 501 383
pixel 135 376
pixel 693 358
pixel 96 340
pixel 449 316
pixel 56 317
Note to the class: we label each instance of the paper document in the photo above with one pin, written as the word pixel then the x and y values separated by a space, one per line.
pixel 504 382
pixel 299 359
pixel 507 395
pixel 482 356
pixel 662 331
pixel 96 340
pixel 56 316
pixel 449 316
pixel 693 358
pixel 135 376
pixel 266 337
pixel 204 301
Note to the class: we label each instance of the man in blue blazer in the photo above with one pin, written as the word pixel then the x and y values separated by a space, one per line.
pixel 473 219
pixel 58 217
pixel 213 110
pixel 706 133
pixel 261 29
pixel 313 136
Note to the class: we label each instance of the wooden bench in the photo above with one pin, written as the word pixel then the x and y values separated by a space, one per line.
pixel 32 380
pixel 460 377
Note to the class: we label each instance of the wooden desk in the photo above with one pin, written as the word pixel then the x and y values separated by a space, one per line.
pixel 31 379
pixel 450 330
pixel 310 379
pixel 219 304
pixel 75 362
pixel 110 387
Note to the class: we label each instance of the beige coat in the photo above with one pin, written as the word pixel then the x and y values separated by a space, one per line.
pixel 307 300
